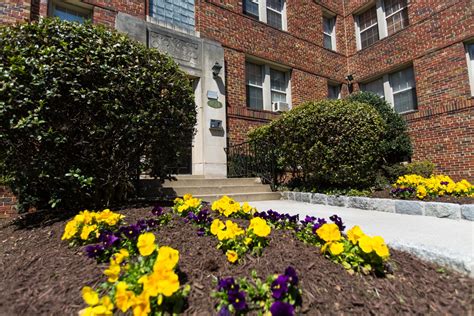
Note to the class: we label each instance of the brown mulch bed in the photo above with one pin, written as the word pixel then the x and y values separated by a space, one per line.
pixel 41 275
pixel 385 194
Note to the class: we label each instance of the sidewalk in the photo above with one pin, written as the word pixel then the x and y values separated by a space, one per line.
pixel 444 241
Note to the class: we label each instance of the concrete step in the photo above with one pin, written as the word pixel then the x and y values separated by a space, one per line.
pixel 222 189
pixel 243 197
pixel 200 182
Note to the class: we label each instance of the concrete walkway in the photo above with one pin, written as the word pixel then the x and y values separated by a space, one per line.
pixel 444 241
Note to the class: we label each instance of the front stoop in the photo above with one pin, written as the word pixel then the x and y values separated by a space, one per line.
pixel 209 190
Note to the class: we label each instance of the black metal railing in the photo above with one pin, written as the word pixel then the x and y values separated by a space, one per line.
pixel 252 159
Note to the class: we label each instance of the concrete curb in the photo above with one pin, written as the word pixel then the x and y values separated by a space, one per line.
pixel 434 209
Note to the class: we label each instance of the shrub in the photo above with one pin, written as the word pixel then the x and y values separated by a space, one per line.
pixel 396 143
pixel 423 168
pixel 83 109
pixel 331 143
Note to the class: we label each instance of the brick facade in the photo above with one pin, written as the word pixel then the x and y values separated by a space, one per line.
pixel 442 128
pixel 7 203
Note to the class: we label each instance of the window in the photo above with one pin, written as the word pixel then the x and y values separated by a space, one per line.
pixel 396 15
pixel 397 88
pixel 71 12
pixel 178 15
pixel 334 91
pixel 470 64
pixel 272 12
pixel 368 28
pixel 254 86
pixel 266 85
pixel 329 35
pixel 383 19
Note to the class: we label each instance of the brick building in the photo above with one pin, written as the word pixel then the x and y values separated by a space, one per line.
pixel 417 54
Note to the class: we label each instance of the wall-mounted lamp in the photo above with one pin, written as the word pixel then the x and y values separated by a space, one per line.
pixel 350 78
pixel 216 69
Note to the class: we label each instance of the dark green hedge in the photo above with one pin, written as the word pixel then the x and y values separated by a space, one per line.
pixel 330 143
pixel 82 109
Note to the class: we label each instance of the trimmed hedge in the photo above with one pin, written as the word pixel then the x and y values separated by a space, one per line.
pixel 329 143
pixel 82 110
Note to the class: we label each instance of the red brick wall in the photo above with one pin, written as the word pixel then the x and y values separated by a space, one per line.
pixel 7 203
pixel 12 11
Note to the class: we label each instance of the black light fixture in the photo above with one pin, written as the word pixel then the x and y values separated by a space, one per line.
pixel 216 69
pixel 350 78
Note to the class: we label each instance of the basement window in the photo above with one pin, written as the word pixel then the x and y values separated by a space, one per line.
pixel 334 91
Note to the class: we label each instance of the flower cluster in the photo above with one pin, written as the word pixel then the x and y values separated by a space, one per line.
pixel 357 252
pixel 278 295
pixel 434 186
pixel 125 236
pixel 187 204
pixel 235 241
pixel 202 219
pixel 279 220
pixel 146 284
pixel 227 207
pixel 85 227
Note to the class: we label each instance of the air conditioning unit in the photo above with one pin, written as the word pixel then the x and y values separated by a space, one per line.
pixel 280 106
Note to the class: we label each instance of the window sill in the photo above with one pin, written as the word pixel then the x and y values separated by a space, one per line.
pixel 408 112
pixel 382 39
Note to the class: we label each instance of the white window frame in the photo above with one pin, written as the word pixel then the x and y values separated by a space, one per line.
pixel 267 89
pixel 333 31
pixel 262 13
pixel 79 7
pixel 388 91
pixel 339 87
pixel 470 66
pixel 381 21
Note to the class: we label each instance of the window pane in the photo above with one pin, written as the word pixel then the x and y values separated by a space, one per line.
pixel 402 80
pixel 254 74
pixel 277 96
pixel 69 15
pixel 369 36
pixel 375 86
pixel 274 19
pixel 328 25
pixel 397 22
pixel 392 6
pixel 275 5
pixel 327 41
pixel 368 18
pixel 405 101
pixel 277 80
pixel 251 7
pixel 334 91
pixel 470 49
pixel 255 98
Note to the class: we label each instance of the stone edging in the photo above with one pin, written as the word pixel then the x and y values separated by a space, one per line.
pixel 435 209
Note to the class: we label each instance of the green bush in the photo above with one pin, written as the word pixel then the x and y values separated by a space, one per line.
pixel 330 143
pixel 396 143
pixel 82 109
pixel 423 168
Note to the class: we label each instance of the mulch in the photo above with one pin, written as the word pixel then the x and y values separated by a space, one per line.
pixel 41 275
pixel 385 194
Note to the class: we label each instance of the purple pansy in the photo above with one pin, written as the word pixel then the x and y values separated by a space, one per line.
pixel 279 286
pixel 237 299
pixel 282 309
pixel 94 251
pixel 290 272
pixel 338 221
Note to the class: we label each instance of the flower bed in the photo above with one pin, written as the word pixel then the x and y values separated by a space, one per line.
pixel 48 276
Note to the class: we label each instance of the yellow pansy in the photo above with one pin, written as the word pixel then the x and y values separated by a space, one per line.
pixel 380 247
pixel 160 281
pixel 329 232
pixel 421 192
pixel 259 227
pixel 70 230
pixel 216 226
pixel 232 256
pixel 146 244
pixel 113 272
pixel 118 257
pixel 354 234
pixel 141 304
pixel 336 248
pixel 86 230
pixel 167 258
pixel 123 298
pixel 234 229
pixel 365 243
pixel 247 209
pixel 90 296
